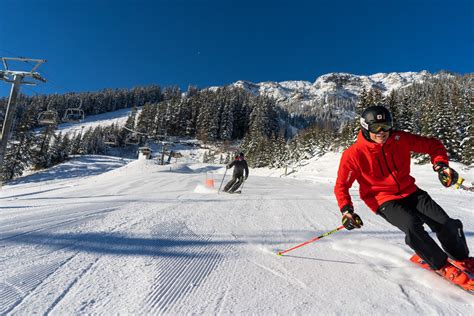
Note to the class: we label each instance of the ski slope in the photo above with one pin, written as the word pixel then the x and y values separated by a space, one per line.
pixel 107 235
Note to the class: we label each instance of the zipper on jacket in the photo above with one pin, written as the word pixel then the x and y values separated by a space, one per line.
pixel 394 165
pixel 380 166
pixel 398 185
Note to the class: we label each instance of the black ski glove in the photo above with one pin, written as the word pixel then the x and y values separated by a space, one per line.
pixel 446 175
pixel 350 220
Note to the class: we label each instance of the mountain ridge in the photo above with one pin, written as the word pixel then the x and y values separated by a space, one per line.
pixel 340 85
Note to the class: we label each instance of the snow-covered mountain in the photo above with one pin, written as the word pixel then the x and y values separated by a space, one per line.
pixel 331 88
pixel 342 85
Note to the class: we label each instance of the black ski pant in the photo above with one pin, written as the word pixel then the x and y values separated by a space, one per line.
pixel 234 183
pixel 410 213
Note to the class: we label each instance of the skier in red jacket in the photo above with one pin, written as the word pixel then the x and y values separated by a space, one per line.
pixel 380 162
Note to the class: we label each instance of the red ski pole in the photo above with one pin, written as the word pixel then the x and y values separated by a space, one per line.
pixel 311 240
pixel 459 185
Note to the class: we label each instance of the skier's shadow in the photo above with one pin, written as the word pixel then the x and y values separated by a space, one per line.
pixel 336 261
pixel 317 259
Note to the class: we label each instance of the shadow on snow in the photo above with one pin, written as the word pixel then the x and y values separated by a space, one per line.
pixel 84 166
pixel 114 244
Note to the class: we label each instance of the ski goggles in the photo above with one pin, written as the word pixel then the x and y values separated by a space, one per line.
pixel 378 127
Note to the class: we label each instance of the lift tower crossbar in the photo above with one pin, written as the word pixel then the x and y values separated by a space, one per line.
pixel 15 77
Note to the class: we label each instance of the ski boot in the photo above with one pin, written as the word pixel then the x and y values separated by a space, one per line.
pixel 457 276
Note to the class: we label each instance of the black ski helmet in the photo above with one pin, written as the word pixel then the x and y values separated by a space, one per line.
pixel 241 155
pixel 375 115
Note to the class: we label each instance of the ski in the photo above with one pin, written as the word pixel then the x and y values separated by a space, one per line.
pixel 468 286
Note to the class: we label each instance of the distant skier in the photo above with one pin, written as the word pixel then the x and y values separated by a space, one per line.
pixel 380 162
pixel 240 165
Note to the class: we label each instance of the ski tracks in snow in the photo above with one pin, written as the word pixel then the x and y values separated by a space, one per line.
pixel 176 276
pixel 23 279
pixel 390 262
pixel 41 284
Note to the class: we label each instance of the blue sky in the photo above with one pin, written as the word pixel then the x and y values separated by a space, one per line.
pixel 96 44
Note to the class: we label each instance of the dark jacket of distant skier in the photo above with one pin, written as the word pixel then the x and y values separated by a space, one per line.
pixel 240 165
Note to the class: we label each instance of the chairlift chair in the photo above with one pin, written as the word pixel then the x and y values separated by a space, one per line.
pixel 110 140
pixel 132 139
pixel 13 140
pixel 73 115
pixel 48 118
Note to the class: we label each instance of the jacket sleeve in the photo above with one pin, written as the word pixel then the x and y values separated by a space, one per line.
pixel 430 146
pixel 231 164
pixel 346 176
pixel 246 169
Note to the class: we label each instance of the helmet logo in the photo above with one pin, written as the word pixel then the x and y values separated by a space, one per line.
pixel 363 123
pixel 379 116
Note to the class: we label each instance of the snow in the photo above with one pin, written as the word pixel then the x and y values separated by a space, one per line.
pixel 300 96
pixel 118 118
pixel 107 235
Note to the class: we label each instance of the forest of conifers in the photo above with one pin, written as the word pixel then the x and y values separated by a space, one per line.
pixel 440 107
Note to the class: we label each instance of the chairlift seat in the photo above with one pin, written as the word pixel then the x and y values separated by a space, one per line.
pixel 132 140
pixel 48 118
pixel 73 115
pixel 145 150
pixel 110 140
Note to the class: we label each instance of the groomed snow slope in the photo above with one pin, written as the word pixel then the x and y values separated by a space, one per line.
pixel 105 235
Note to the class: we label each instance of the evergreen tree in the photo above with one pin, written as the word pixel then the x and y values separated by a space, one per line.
pixel 41 155
pixel 131 120
pixel 442 107
pixel 279 152
pixel 203 120
pixel 55 153
pixel 146 118
pixel 364 102
pixel 65 147
pixel 19 152
pixel 227 121
pixel 405 115
pixel 458 127
pixel 392 107
pixel 76 144
pixel 375 97
pixel 467 142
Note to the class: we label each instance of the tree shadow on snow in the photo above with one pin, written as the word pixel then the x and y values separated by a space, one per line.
pixel 81 167
pixel 52 197
pixel 186 245
pixel 187 169
pixel 208 168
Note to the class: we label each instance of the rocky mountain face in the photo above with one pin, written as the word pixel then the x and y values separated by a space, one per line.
pixel 334 91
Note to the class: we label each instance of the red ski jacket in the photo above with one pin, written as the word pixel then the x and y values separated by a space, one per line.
pixel 383 171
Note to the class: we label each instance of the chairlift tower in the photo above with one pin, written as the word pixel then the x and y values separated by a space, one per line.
pixel 16 79
pixel 162 134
